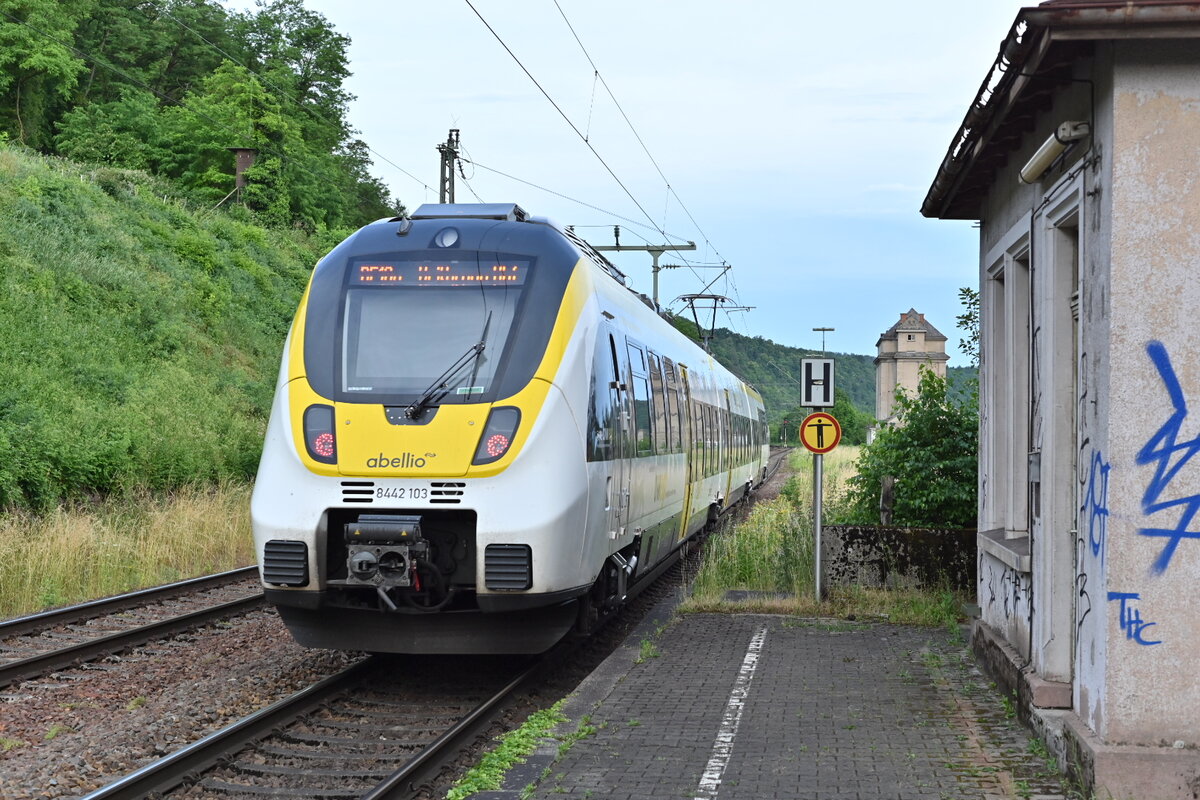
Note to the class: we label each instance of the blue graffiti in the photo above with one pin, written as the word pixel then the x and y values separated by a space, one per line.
pixel 1169 455
pixel 1131 618
pixel 1096 505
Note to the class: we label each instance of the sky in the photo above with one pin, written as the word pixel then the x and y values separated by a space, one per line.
pixel 790 139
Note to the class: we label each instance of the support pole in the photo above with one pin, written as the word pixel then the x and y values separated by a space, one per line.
pixel 449 152
pixel 818 470
pixel 655 250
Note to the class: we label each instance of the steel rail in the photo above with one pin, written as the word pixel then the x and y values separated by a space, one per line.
pixel 779 459
pixel 107 605
pixel 170 771
pixel 57 659
pixel 427 763
pixel 186 764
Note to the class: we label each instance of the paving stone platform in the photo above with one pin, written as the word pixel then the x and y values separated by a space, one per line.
pixel 732 707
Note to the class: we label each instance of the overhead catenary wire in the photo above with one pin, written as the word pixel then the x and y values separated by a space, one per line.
pixel 633 129
pixel 567 119
pixel 597 77
pixel 568 198
pixel 286 96
pixel 730 281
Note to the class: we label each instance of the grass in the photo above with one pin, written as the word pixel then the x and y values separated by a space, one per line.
pixel 141 338
pixel 770 555
pixel 77 553
pixel 489 774
pixel 648 650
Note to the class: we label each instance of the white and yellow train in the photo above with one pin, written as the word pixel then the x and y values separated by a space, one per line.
pixel 482 439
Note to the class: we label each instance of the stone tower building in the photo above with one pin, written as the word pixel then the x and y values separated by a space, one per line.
pixel 903 349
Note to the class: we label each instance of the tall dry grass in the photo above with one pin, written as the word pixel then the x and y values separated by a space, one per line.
pixel 77 553
pixel 767 560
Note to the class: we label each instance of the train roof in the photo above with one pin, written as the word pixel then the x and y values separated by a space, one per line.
pixel 511 212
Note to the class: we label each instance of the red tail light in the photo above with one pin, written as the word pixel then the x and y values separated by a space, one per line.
pixel 496 445
pixel 319 437
pixel 498 435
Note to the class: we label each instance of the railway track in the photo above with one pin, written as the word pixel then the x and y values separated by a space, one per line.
pixel 377 730
pixel 384 728
pixel 776 460
pixel 41 643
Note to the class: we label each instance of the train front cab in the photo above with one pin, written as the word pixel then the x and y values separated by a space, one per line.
pixel 397 511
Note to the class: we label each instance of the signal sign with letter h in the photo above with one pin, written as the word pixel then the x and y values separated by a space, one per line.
pixel 816 382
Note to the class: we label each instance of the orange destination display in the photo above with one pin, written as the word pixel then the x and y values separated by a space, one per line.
pixel 429 272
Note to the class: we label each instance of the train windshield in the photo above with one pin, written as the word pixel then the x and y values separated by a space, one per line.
pixel 433 328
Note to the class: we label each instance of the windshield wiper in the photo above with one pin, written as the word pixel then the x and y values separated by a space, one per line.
pixel 441 384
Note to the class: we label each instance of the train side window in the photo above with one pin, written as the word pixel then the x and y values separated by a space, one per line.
pixel 637 359
pixel 675 422
pixel 662 429
pixel 603 422
pixel 710 441
pixel 642 425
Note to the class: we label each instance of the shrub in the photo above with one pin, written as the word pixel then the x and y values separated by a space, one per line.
pixel 932 452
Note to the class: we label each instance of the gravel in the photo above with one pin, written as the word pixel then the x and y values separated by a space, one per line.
pixel 67 734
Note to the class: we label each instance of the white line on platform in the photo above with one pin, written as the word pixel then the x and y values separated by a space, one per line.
pixel 710 781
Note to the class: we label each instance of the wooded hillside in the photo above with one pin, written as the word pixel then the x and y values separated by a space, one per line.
pixel 169 86
pixel 139 334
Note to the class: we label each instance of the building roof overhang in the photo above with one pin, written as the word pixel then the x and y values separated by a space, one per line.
pixel 1034 60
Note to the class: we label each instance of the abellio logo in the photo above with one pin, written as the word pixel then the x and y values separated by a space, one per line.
pixel 404 461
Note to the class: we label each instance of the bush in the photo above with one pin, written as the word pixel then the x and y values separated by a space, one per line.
pixel 141 338
pixel 932 452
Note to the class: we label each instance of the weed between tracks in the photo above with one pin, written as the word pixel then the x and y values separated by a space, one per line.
pixel 512 749
pixel 74 554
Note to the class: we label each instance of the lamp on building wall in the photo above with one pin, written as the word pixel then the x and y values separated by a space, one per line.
pixel 1066 134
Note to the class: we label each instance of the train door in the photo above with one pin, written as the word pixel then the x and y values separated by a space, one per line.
pixel 691 470
pixel 622 435
pixel 727 450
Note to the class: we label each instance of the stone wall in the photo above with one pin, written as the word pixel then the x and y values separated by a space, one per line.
pixel 898 557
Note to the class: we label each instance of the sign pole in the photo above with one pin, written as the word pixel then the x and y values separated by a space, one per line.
pixel 818 476
pixel 820 433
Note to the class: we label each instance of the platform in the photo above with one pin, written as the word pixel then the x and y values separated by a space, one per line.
pixel 742 707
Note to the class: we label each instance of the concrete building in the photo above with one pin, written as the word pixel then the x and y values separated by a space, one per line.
pixel 1080 156
pixel 903 349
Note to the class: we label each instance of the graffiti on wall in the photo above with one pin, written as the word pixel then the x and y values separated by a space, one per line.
pixel 1095 505
pixel 1169 456
pixel 1091 544
pixel 1007 592
pixel 1131 618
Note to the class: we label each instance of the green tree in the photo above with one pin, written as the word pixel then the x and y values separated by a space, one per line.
pixel 123 133
pixel 38 68
pixel 968 323
pixel 931 454
pixel 854 422
pixel 231 108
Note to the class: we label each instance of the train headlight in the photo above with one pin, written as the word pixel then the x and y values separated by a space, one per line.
pixel 319 436
pixel 498 435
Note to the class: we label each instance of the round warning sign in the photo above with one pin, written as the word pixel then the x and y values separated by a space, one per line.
pixel 820 432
